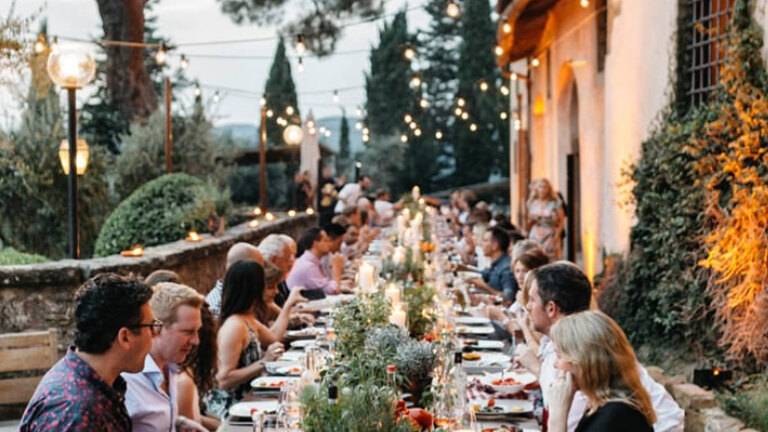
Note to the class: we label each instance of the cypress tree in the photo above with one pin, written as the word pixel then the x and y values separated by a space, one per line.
pixel 478 153
pixel 388 94
pixel 280 92
pixel 344 150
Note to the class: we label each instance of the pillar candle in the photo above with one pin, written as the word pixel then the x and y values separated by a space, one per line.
pixel 393 293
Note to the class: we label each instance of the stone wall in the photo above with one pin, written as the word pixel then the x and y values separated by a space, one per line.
pixel 41 296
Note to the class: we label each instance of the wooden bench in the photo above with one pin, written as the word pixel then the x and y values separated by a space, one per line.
pixel 25 352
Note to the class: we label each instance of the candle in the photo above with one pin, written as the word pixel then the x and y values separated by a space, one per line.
pixel 398 316
pixel 254 223
pixel 393 293
pixel 269 216
pixel 193 236
pixel 366 277
pixel 416 193
pixel 136 251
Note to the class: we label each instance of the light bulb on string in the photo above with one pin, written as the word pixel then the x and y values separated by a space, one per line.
pixel 310 124
pixel 336 98
pixel 407 118
pixel 465 115
pixel 366 131
pixel 417 132
pixel 404 138
pixel 457 111
pixel 198 92
pixel 504 90
pixel 498 50
pixel 161 55
pixel 322 129
pixel 413 125
pixel 359 112
pixel 300 47
pixel 327 133
pixel 216 97
pixel 460 102
pixel 358 125
pixel 423 103
pixel 415 81
pixel 483 86
pixel 452 9
pixel 513 76
pixel 183 63
pixel 270 113
pixel 473 127
pixel 365 138
pixel 584 3
pixel 503 115
pixel 439 134
pixel 290 110
pixel 409 53
pixel 40 44
pixel 535 62
pixel 55 44
pixel 506 28
pixel 300 65
pixel 263 100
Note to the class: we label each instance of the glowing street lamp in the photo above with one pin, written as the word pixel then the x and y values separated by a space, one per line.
pixel 293 135
pixel 81 158
pixel 72 68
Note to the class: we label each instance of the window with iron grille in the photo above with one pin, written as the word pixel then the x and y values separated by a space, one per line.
pixel 705 29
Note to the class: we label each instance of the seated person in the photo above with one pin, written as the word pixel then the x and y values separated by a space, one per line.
pixel 238 252
pixel 280 250
pixel 308 273
pixel 162 275
pixel 242 338
pixel 498 277
pixel 594 356
pixel 197 375
pixel 268 312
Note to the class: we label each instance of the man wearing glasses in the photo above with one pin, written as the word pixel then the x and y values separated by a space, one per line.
pixel 84 391
pixel 151 396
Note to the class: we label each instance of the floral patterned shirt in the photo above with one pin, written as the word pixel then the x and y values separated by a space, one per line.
pixel 73 397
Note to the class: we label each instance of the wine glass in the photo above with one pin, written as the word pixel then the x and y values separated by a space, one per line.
pixel 290 405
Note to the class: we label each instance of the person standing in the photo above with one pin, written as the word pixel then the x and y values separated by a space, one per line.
pixel 84 391
pixel 151 397
pixel 326 196
pixel 546 219
pixel 351 192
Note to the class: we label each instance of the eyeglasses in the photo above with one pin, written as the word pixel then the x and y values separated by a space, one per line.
pixel 154 327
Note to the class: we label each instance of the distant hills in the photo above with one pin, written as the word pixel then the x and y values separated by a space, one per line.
pixel 248 134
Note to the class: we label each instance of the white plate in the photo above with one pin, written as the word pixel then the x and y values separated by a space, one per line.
pixel 466 274
pixel 270 383
pixel 510 407
pixel 480 330
pixel 483 344
pixel 301 344
pixel 292 355
pixel 523 378
pixel 243 409
pixel 309 332
pixel 489 359
pixel 472 321
pixel 283 367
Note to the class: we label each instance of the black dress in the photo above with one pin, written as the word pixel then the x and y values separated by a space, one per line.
pixel 612 417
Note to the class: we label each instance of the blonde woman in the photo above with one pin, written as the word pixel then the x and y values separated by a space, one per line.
pixel 595 357
pixel 546 218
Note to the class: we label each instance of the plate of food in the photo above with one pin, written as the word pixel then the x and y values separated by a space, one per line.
pixel 305 333
pixel 292 368
pixel 303 343
pixel 479 344
pixel 269 383
pixel 467 274
pixel 243 409
pixel 473 321
pixel 501 408
pixel 292 355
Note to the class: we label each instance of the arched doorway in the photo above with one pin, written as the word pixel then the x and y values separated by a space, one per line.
pixel 573 179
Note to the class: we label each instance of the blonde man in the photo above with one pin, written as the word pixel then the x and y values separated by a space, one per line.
pixel 151 395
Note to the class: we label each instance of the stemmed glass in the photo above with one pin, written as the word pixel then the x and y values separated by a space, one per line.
pixel 289 413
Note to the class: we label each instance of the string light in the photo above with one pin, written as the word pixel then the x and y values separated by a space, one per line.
pixel 323 129
pixel 336 98
pixel 413 125
pixel 55 44
pixel 417 132
pixel 270 113
pixel 409 53
pixel 327 133
pixel 464 115
pixel 483 86
pixel 312 131
pixel 506 28
pixel 535 62
pixel 498 50
pixel 359 112
pixel 300 65
pixel 584 3
pixel 161 55
pixel 404 138
pixel 216 97
pixel 518 123
pixel 300 47
pixel 503 115
pixel 279 120
pixel 423 103
pixel 358 125
pixel 439 134
pixel 365 131
pixel 183 63
pixel 310 124
pixel 415 81
pixel 263 100
pixel 504 90
pixel 460 102
pixel 452 9
pixel 40 44
pixel 457 111
pixel 289 110
pixel 365 138
pixel 513 77
pixel 473 127
pixel 407 118
pixel 198 92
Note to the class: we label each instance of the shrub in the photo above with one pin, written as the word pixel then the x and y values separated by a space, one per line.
pixel 161 211
pixel 10 256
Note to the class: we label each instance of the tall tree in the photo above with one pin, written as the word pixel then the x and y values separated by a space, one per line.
pixel 344 150
pixel 388 95
pixel 478 139
pixel 280 92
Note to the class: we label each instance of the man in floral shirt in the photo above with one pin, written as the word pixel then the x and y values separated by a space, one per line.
pixel 84 390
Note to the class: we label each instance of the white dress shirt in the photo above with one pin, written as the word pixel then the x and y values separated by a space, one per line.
pixel 348 195
pixel 669 416
pixel 150 407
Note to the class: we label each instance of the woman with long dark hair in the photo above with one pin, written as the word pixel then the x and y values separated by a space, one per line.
pixel 245 344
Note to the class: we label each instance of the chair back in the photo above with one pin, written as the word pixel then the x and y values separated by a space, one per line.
pixel 25 352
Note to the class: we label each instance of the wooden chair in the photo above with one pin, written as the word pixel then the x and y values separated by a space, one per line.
pixel 25 352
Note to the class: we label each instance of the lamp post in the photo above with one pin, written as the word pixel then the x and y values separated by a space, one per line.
pixel 72 68
pixel 292 135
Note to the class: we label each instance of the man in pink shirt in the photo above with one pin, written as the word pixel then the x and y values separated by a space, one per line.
pixel 307 272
